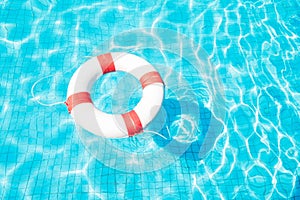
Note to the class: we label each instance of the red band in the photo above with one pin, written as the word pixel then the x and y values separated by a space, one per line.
pixel 133 123
pixel 78 98
pixel 106 62
pixel 149 78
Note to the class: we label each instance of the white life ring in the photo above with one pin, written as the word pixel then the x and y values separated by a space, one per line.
pixel 86 115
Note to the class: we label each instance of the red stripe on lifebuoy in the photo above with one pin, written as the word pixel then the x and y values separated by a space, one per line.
pixel 106 62
pixel 133 123
pixel 78 98
pixel 149 78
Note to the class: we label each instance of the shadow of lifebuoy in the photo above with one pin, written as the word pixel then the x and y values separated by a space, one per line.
pixel 172 107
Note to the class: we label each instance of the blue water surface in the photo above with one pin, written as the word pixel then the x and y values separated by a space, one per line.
pixel 253 46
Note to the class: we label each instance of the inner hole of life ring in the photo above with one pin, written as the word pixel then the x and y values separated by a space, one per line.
pixel 116 92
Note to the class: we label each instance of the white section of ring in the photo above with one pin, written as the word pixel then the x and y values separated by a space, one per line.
pixel 132 64
pixel 84 77
pixel 98 122
pixel 150 103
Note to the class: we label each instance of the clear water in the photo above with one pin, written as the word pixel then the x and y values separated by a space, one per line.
pixel 251 89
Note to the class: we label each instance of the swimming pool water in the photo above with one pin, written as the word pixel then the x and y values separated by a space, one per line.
pixel 245 100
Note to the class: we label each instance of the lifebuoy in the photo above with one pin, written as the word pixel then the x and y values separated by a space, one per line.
pixel 86 115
